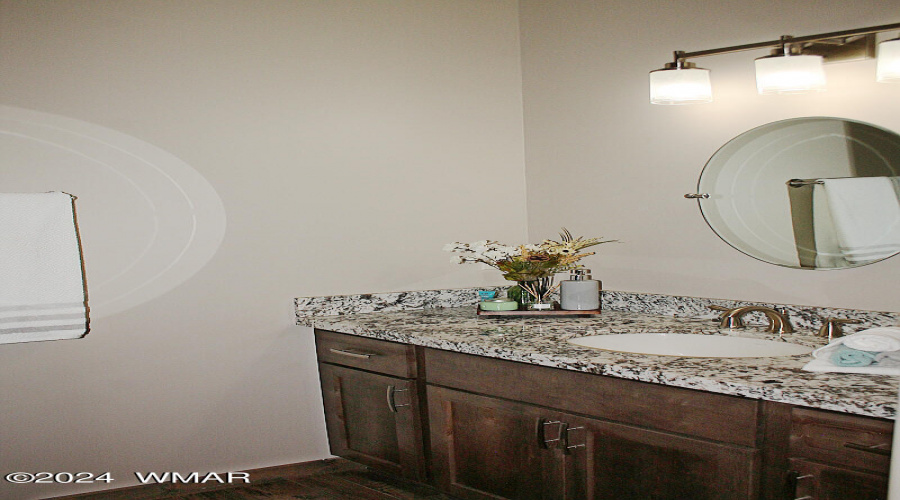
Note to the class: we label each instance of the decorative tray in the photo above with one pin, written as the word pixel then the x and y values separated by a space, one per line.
pixel 556 311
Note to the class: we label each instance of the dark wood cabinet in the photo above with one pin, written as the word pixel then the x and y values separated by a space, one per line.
pixel 483 428
pixel 816 481
pixel 372 418
pixel 622 462
pixel 486 446
pixel 835 456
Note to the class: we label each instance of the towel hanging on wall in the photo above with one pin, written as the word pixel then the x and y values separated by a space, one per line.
pixel 42 288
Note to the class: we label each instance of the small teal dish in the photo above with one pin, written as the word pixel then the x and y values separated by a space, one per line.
pixel 486 294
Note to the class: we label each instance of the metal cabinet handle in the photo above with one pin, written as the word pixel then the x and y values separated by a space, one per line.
pixel 565 445
pixel 793 481
pixel 542 424
pixel 869 448
pixel 392 405
pixel 352 353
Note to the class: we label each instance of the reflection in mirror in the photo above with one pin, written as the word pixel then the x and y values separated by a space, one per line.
pixel 807 193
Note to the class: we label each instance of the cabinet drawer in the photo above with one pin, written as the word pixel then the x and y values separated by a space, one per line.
pixel 837 438
pixel 374 355
pixel 701 414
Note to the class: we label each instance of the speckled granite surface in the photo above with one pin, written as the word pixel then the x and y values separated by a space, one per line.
pixel 802 317
pixel 446 320
pixel 391 301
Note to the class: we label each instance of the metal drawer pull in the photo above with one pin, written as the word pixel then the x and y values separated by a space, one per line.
pixel 869 449
pixel 794 478
pixel 543 442
pixel 392 405
pixel 566 445
pixel 352 354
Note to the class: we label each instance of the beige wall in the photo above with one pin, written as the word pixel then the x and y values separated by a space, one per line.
pixel 348 141
pixel 602 160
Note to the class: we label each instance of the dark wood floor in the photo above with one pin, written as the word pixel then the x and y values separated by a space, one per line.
pixel 334 479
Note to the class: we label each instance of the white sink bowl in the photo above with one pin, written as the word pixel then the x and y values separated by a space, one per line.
pixel 691 345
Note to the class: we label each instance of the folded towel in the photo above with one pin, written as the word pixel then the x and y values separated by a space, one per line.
pixel 881 368
pixel 866 215
pixel 845 356
pixel 874 339
pixel 42 291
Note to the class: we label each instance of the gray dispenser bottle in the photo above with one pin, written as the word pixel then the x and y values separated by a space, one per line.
pixel 579 292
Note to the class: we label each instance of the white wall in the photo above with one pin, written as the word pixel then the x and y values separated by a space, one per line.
pixel 602 160
pixel 348 141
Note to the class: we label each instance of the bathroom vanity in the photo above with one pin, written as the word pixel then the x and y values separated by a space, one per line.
pixel 487 408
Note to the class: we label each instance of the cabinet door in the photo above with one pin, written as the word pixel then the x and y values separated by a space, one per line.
pixel 815 481
pixel 373 419
pixel 487 448
pixel 621 462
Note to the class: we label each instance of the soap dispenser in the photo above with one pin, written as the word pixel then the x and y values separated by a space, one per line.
pixel 580 292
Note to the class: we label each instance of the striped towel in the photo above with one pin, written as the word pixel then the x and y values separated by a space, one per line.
pixel 42 289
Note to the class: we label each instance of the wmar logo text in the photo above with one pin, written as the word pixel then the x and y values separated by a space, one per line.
pixel 193 477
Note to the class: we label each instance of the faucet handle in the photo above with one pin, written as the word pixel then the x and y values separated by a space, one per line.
pixel 831 327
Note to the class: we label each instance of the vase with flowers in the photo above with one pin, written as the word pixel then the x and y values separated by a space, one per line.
pixel 532 266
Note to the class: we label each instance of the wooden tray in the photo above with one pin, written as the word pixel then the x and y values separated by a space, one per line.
pixel 556 311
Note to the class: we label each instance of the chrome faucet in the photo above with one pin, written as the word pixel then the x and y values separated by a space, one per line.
pixel 731 318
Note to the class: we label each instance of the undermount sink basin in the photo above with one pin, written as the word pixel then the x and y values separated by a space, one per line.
pixel 691 345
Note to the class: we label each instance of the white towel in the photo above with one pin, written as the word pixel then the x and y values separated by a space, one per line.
pixel 874 339
pixel 866 215
pixel 828 252
pixel 42 290
pixel 884 340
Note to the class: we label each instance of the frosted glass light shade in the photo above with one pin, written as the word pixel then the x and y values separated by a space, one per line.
pixel 680 86
pixel 888 65
pixel 789 74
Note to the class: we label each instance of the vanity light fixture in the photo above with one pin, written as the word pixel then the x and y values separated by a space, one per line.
pixel 795 66
pixel 784 72
pixel 680 83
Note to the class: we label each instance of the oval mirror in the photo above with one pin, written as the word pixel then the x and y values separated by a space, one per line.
pixel 807 193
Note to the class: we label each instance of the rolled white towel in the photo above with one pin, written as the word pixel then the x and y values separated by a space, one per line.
pixel 875 339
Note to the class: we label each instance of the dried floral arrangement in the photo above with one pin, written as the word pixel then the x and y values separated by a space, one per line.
pixel 527 262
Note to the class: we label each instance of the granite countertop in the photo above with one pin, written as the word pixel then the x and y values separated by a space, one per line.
pixel 542 341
